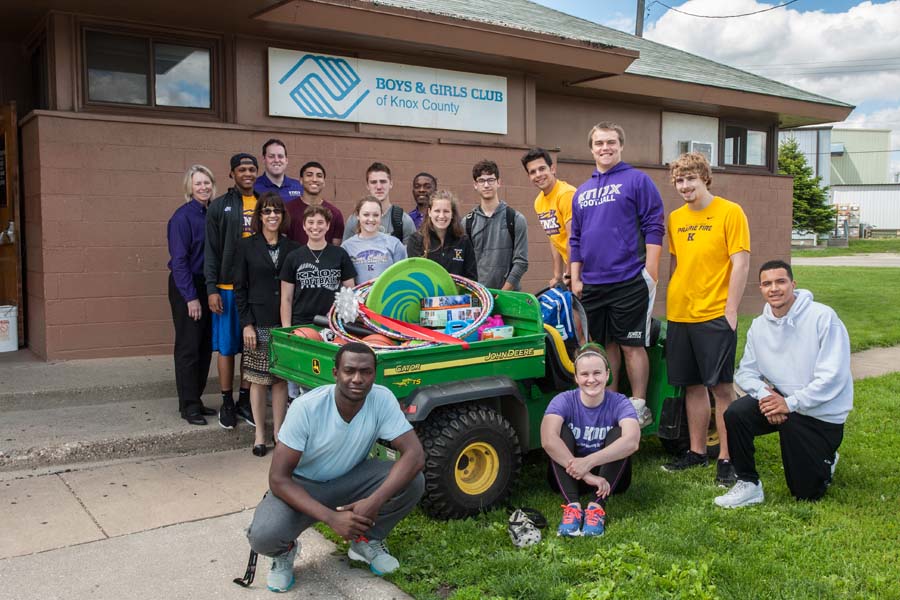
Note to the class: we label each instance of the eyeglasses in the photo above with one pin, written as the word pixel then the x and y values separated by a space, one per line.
pixel 271 210
pixel 486 181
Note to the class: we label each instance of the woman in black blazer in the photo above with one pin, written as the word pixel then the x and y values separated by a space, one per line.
pixel 257 289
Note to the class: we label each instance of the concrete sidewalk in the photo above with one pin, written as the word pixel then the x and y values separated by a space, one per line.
pixel 169 528
pixel 146 525
pixel 852 260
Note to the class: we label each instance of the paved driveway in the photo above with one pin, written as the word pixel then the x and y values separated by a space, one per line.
pixel 854 260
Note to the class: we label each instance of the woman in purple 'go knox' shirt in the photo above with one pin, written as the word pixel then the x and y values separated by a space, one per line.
pixel 589 433
pixel 186 233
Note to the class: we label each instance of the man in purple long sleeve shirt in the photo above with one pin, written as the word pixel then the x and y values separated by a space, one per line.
pixel 614 248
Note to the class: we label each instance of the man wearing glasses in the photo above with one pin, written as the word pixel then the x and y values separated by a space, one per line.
pixel 274 178
pixel 498 232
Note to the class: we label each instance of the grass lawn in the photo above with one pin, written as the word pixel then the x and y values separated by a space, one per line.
pixel 855 247
pixel 666 539
pixel 866 300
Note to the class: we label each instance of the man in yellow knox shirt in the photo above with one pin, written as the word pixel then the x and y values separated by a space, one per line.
pixel 553 206
pixel 709 240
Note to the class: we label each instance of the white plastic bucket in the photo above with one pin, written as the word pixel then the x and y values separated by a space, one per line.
pixel 9 329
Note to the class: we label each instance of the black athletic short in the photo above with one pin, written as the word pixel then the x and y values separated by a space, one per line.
pixel 700 353
pixel 620 312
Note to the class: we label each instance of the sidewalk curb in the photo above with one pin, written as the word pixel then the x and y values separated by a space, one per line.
pixel 196 441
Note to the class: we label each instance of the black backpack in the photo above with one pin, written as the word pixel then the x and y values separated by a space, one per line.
pixel 397 222
pixel 510 224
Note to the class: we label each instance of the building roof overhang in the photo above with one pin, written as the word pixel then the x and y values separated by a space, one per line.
pixel 392 29
pixel 684 96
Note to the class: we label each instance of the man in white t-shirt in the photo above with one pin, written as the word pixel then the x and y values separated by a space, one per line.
pixel 320 470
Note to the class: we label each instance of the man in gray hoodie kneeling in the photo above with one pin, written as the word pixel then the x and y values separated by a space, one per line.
pixel 796 372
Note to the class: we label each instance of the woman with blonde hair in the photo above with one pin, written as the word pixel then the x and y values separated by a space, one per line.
pixel 442 239
pixel 186 235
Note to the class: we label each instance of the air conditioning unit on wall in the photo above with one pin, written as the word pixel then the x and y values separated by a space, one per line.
pixel 704 148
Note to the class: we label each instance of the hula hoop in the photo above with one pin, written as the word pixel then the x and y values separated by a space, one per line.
pixel 486 300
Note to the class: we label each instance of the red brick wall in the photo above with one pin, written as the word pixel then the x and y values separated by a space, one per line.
pixel 99 191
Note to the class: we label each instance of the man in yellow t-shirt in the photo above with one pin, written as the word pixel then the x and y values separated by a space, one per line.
pixel 709 240
pixel 553 206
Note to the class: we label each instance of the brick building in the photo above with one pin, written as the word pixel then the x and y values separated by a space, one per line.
pixel 115 100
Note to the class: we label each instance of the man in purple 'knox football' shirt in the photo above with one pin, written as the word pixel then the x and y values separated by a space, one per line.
pixel 614 246
pixel 589 433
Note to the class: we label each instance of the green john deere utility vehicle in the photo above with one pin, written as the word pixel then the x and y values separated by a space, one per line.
pixel 477 410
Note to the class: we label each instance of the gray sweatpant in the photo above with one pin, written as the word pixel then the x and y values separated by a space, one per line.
pixel 275 524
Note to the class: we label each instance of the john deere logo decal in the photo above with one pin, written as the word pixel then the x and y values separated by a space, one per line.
pixel 323 86
pixel 317 368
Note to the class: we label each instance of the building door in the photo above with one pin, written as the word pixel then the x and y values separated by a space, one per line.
pixel 10 240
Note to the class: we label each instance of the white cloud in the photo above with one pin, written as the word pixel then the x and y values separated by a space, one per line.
pixel 827 53
pixel 850 56
pixel 620 22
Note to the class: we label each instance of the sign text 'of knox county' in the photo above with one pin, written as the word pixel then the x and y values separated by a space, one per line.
pixel 321 86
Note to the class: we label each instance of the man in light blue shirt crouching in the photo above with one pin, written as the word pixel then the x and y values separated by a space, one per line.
pixel 320 470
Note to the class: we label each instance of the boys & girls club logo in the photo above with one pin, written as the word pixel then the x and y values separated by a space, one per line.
pixel 324 86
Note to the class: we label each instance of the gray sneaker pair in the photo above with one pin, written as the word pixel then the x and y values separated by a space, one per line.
pixel 372 552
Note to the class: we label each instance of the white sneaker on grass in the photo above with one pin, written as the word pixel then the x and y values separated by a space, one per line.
pixel 743 493
pixel 833 466
pixel 645 417
pixel 281 575
pixel 375 554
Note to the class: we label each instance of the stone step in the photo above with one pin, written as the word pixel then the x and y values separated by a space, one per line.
pixel 56 436
pixel 27 383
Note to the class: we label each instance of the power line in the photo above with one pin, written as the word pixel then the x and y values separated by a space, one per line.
pixel 756 12
pixel 821 62
pixel 823 71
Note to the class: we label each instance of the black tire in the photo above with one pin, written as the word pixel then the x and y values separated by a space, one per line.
pixel 472 459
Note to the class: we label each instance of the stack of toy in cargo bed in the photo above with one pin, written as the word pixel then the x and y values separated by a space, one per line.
pixel 408 305
pixel 458 312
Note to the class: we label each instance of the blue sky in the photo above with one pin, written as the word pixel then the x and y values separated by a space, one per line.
pixel 843 49
pixel 607 12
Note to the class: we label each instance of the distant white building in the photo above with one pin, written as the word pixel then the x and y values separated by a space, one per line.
pixel 855 163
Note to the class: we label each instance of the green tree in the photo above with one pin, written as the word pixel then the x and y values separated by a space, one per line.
pixel 812 212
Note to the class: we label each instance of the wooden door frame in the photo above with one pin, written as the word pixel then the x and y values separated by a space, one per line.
pixel 10 128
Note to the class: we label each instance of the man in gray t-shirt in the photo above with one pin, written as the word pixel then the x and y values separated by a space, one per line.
pixel 379 184
pixel 501 247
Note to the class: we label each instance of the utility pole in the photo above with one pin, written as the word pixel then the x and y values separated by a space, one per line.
pixel 639 19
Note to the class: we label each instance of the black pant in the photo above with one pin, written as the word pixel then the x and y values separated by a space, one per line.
pixel 807 447
pixel 617 473
pixel 193 347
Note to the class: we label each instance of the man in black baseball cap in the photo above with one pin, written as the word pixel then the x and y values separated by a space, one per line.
pixel 227 221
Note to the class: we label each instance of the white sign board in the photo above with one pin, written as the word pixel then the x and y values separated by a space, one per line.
pixel 319 86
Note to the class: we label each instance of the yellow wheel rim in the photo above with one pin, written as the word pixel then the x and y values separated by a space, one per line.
pixel 476 468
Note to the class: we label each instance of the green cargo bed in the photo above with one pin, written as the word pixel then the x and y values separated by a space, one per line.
pixel 310 362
